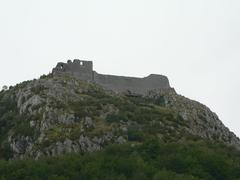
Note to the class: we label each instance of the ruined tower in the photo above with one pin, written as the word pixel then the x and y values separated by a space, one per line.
pixel 80 69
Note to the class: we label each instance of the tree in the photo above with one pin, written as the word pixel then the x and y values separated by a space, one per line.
pixel 4 88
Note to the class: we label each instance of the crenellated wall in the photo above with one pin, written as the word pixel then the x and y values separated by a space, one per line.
pixel 84 70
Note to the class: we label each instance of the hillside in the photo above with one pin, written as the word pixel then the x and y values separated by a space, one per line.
pixel 60 114
pixel 152 160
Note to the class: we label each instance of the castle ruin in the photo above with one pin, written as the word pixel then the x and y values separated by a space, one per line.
pixel 83 70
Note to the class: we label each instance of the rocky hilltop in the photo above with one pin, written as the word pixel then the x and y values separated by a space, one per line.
pixel 60 113
pixel 83 70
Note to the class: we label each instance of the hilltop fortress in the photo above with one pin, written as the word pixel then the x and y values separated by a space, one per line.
pixel 84 70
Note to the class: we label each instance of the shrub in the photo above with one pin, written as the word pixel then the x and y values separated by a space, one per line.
pixel 135 135
pixel 6 151
pixel 111 118
pixel 166 175
pixel 38 89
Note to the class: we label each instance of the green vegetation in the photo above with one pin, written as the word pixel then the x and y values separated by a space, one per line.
pixel 135 134
pixel 151 160
pixel 44 76
pixel 38 89
pixel 111 118
pixel 10 119
pixel 148 116
pixel 158 146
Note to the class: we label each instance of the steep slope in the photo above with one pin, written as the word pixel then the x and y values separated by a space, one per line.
pixel 60 114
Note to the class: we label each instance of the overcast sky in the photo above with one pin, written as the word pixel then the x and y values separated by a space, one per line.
pixel 196 43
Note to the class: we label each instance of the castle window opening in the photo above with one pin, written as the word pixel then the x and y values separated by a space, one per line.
pixel 81 63
pixel 61 66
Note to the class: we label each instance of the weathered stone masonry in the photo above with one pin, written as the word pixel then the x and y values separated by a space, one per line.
pixel 84 70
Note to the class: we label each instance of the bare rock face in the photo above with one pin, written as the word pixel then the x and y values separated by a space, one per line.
pixel 88 122
pixel 121 140
pixel 200 119
pixel 53 127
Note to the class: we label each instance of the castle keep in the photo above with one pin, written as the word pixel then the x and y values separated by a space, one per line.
pixel 84 70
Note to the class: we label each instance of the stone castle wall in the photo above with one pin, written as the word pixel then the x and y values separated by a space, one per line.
pixel 84 70
pixel 79 69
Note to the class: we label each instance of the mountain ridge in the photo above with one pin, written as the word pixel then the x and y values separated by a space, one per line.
pixel 60 114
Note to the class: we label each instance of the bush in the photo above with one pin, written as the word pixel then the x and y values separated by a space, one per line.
pixel 111 118
pixel 6 151
pixel 38 89
pixel 23 128
pixel 135 135
pixel 166 175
